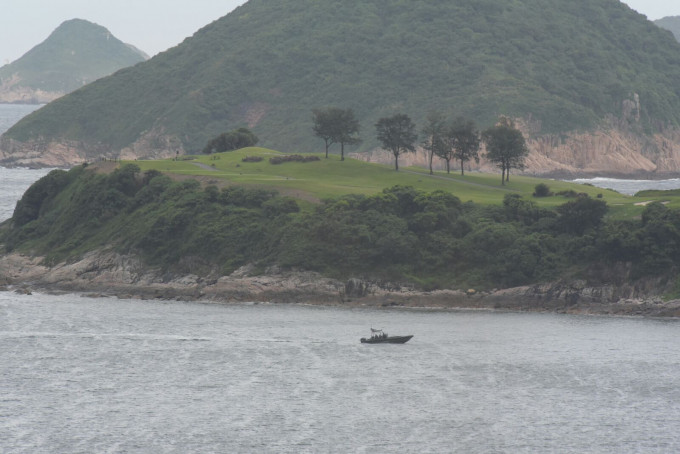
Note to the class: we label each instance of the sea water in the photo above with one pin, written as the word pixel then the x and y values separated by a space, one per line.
pixel 14 182
pixel 630 187
pixel 12 113
pixel 81 375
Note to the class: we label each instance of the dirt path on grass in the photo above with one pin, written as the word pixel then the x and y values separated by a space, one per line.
pixel 204 166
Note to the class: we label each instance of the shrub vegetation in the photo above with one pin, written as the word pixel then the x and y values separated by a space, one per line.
pixel 292 158
pixel 542 190
pixel 229 141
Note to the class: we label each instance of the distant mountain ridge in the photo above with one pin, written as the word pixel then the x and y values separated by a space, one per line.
pixel 75 54
pixel 670 23
pixel 594 84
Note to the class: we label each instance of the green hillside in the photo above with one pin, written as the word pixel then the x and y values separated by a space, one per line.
pixel 332 178
pixel 76 53
pixel 266 65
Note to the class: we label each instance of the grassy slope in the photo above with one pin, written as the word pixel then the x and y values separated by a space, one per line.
pixel 331 178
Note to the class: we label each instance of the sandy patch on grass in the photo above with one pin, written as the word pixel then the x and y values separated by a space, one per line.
pixel 644 204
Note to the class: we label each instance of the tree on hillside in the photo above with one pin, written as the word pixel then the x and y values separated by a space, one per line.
pixel 323 125
pixel 465 141
pixel 228 141
pixel 445 150
pixel 506 147
pixel 335 125
pixel 397 134
pixel 433 132
pixel 346 131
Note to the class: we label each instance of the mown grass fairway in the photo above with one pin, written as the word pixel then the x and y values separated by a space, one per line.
pixel 332 178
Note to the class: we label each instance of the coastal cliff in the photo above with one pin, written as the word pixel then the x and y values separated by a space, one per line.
pixel 12 92
pixel 110 274
pixel 40 153
pixel 613 150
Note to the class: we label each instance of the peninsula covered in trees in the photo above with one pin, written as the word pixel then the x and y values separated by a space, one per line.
pixel 416 230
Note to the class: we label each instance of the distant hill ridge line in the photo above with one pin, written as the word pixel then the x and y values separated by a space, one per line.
pixel 76 53
pixel 670 23
pixel 594 83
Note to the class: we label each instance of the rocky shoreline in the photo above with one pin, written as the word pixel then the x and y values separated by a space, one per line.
pixel 110 274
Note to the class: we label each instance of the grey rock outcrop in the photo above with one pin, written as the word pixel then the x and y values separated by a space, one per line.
pixel 108 273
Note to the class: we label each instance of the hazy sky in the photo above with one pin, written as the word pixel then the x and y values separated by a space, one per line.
pixel 154 25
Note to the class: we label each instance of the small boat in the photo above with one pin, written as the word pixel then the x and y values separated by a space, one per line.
pixel 378 336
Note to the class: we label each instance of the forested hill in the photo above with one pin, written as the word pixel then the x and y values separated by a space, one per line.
pixel 564 64
pixel 76 53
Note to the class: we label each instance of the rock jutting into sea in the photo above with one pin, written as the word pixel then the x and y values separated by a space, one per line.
pixel 112 274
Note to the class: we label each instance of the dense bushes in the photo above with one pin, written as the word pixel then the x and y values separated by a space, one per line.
pixel 542 190
pixel 229 141
pixel 39 194
pixel 401 234
pixel 292 158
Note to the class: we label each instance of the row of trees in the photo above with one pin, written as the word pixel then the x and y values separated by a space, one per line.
pixel 459 140
pixel 335 125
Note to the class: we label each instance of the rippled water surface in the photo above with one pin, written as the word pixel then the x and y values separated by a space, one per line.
pixel 13 183
pixel 630 187
pixel 12 113
pixel 81 375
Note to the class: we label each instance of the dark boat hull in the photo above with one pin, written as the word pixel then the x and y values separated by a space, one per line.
pixel 386 340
